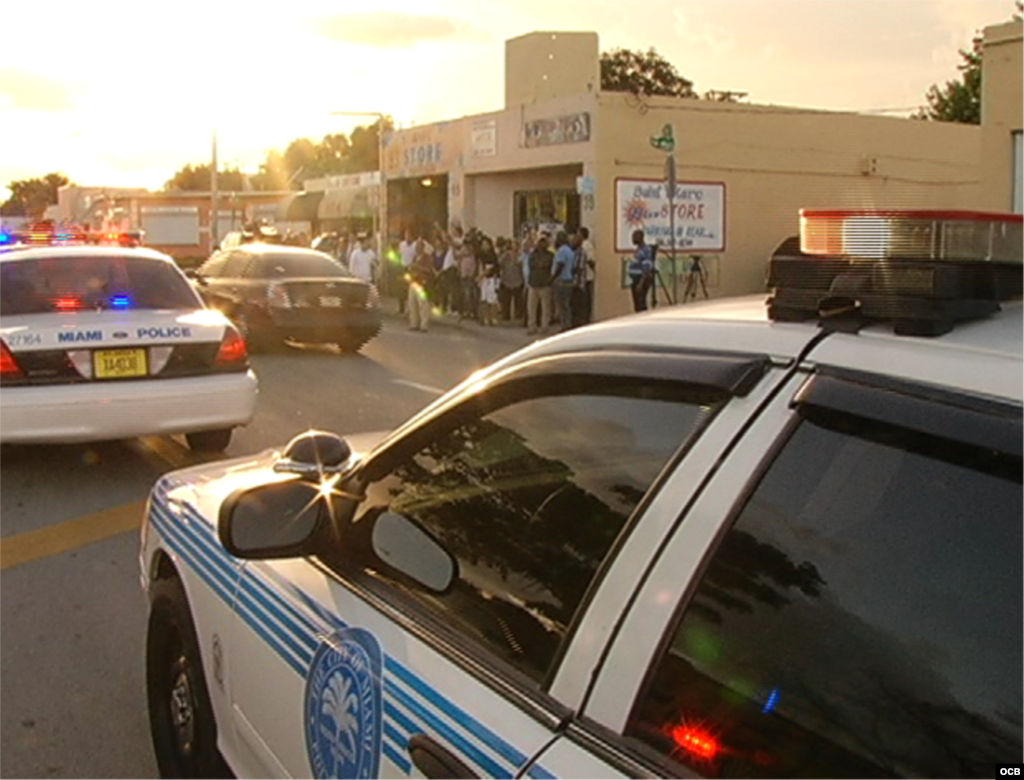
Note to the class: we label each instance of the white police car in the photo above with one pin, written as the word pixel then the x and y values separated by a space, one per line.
pixel 107 342
pixel 696 541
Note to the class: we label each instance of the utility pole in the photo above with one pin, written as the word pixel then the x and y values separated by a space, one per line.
pixel 670 184
pixel 214 212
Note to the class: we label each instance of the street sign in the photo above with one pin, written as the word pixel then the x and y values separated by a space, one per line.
pixel 666 141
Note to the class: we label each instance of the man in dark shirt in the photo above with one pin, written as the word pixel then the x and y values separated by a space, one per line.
pixel 539 268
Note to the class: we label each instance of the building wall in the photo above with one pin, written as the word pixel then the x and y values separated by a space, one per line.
pixel 1001 114
pixel 544 65
pixel 491 196
pixel 773 161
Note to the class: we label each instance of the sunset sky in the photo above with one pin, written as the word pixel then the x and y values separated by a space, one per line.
pixel 124 94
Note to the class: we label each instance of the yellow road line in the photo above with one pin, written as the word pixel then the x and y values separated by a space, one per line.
pixel 70 535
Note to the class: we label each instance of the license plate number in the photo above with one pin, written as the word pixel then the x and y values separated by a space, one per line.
pixel 332 301
pixel 119 363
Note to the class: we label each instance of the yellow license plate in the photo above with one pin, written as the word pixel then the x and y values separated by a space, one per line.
pixel 119 363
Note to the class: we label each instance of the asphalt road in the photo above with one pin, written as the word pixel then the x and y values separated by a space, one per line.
pixel 72 613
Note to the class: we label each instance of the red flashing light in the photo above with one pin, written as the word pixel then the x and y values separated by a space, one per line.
pixel 696 741
pixel 9 367
pixel 68 303
pixel 232 349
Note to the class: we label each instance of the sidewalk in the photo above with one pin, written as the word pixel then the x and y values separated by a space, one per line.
pixel 510 334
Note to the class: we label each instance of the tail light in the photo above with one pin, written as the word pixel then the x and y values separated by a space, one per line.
pixel 232 350
pixel 277 296
pixel 9 368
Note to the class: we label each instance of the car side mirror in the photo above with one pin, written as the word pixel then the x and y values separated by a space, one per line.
pixel 271 521
pixel 314 454
pixel 408 550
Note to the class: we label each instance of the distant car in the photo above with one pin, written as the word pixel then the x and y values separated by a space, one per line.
pixel 107 342
pixel 274 292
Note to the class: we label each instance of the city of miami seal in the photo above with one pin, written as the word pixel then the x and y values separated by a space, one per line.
pixel 342 706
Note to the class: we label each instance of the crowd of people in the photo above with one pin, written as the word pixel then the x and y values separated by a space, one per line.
pixel 541 282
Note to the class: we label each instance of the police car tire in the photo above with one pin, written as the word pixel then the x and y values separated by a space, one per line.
pixel 209 441
pixel 172 652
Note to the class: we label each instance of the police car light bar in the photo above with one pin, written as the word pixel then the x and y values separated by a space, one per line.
pixel 922 270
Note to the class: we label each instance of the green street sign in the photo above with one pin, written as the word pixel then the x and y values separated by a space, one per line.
pixel 666 141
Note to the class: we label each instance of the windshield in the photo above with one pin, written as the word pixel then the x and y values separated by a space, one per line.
pixel 75 283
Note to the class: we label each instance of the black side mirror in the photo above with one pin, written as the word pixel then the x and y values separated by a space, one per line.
pixel 271 521
pixel 314 454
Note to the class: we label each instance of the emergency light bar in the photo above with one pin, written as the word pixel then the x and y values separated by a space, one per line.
pixel 923 270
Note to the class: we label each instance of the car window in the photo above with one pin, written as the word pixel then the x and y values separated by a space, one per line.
pixel 68 283
pixel 861 618
pixel 284 265
pixel 215 265
pixel 234 267
pixel 529 498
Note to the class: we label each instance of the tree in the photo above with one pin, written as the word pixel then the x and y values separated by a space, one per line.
pixel 30 197
pixel 642 73
pixel 196 178
pixel 960 100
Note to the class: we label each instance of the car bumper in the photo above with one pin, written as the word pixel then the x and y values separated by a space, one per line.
pixel 65 414
pixel 326 324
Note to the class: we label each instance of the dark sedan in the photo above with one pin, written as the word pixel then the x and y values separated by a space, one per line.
pixel 275 292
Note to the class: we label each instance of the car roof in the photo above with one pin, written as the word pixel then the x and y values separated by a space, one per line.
pixel 982 356
pixel 258 248
pixel 80 250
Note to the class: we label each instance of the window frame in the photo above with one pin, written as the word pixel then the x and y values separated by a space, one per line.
pixel 726 374
pixel 916 407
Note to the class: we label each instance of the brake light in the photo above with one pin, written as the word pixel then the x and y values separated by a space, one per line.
pixel 232 350
pixel 68 303
pixel 9 368
pixel 277 296
pixel 697 742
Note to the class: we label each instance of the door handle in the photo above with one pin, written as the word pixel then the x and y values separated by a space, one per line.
pixel 434 760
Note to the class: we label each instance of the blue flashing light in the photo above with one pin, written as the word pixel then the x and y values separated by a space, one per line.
pixel 121 302
pixel 773 699
pixel 6 238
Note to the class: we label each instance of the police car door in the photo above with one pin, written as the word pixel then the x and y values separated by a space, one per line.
pixel 357 671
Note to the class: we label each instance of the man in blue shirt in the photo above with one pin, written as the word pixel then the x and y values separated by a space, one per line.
pixel 641 271
pixel 564 273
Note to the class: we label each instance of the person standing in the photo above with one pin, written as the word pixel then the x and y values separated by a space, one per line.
pixel 588 267
pixel 539 267
pixel 510 293
pixel 564 276
pixel 468 281
pixel 641 271
pixel 407 252
pixel 488 265
pixel 363 260
pixel 421 286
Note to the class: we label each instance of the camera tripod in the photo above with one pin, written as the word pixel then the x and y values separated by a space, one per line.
pixel 697 275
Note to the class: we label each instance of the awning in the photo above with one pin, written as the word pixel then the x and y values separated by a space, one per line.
pixel 301 207
pixel 349 203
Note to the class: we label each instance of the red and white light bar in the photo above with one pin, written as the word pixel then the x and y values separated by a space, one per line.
pixel 923 235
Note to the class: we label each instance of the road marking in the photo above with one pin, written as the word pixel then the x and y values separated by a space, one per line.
pixel 418 386
pixel 70 535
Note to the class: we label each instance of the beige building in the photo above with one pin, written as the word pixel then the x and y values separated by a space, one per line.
pixel 563 153
pixel 1002 88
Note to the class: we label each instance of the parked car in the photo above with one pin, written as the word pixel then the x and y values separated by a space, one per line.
pixel 706 540
pixel 107 342
pixel 274 292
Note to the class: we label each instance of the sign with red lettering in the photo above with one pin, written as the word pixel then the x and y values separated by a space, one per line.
pixel 642 204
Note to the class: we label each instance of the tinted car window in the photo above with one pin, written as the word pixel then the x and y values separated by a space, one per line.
pixel 530 497
pixel 65 283
pixel 269 266
pixel 861 618
pixel 235 265
pixel 215 265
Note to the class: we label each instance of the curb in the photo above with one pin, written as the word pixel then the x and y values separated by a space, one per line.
pixel 508 333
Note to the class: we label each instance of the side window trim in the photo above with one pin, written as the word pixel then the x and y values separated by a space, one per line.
pixel 971 420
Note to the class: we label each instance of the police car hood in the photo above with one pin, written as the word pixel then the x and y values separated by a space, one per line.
pixel 203 488
pixel 111 328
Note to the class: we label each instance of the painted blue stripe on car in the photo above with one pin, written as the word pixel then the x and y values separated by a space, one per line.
pixel 411 728
pixel 397 758
pixel 538 772
pixel 243 609
pixel 467 748
pixel 464 719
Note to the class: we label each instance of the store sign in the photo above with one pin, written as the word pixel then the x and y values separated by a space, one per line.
pixel 483 139
pixel 569 129
pixel 699 214
pixel 347 181
pixel 420 151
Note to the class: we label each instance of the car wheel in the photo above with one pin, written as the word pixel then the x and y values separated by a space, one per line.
pixel 180 714
pixel 351 346
pixel 209 441
pixel 258 337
